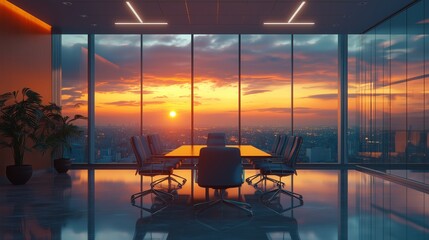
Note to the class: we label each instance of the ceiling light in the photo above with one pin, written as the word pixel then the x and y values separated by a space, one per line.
pixel 297 10
pixel 83 16
pixel 140 21
pixel 291 18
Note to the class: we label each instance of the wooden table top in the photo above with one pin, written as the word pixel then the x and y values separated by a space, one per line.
pixel 193 151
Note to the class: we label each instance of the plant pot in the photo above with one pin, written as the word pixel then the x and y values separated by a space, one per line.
pixel 19 175
pixel 62 165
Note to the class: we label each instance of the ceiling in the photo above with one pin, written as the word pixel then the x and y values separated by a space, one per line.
pixel 211 16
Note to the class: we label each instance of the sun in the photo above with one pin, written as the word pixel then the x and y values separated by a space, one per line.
pixel 172 114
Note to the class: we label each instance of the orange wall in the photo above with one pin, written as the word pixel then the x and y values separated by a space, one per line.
pixel 25 61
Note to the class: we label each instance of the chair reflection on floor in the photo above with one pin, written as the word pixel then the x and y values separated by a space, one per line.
pixel 146 229
pixel 282 228
pixel 221 168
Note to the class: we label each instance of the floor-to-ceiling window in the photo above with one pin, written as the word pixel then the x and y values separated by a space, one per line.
pixel 216 86
pixel 117 96
pixel 167 88
pixel 315 89
pixel 265 88
pixel 74 89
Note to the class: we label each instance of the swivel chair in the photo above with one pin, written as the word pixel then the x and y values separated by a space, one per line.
pixel 221 168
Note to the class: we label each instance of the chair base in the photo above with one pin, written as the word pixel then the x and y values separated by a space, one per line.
pixel 240 205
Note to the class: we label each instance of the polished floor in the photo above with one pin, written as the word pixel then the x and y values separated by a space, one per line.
pixel 95 204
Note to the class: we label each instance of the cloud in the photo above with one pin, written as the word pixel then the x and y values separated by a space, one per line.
pixel 152 102
pixel 324 96
pixel 124 103
pixel 163 96
pixel 273 110
pixel 255 92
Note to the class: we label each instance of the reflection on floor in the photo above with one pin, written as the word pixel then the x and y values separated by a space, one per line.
pixel 88 204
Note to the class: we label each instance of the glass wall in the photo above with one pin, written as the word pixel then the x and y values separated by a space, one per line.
pixel 243 85
pixel 387 92
pixel 74 89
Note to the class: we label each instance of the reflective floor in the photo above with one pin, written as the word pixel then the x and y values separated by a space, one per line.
pixel 88 204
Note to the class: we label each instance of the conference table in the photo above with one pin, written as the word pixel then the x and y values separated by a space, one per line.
pixel 193 151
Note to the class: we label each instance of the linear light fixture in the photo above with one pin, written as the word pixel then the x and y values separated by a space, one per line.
pixel 291 18
pixel 140 21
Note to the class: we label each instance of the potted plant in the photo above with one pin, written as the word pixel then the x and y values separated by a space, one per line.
pixel 20 115
pixel 55 134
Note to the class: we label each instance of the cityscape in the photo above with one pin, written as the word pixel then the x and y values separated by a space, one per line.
pixel 113 142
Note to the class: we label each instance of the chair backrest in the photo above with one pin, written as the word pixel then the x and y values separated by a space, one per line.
pixel 155 144
pixel 138 150
pixel 220 167
pixel 290 141
pixel 216 139
pixel 146 148
pixel 292 158
pixel 275 144
pixel 281 146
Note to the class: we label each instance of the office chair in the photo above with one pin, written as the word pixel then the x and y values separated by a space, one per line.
pixel 221 168
pixel 174 162
pixel 286 168
pixel 216 139
pixel 151 169
pixel 283 154
pixel 276 144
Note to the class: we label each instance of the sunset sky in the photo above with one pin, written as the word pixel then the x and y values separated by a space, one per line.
pixel 265 76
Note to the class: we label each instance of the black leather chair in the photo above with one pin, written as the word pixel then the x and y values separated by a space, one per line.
pixel 157 151
pixel 221 168
pixel 283 154
pixel 216 139
pixel 277 144
pixel 175 163
pixel 283 169
pixel 150 169
pixel 155 145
